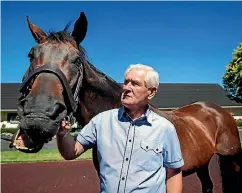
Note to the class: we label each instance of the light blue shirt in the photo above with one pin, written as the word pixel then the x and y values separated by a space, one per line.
pixel 132 155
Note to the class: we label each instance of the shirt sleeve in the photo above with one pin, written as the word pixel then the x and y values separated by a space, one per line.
pixel 172 150
pixel 88 135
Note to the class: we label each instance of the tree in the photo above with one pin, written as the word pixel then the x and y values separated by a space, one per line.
pixel 232 79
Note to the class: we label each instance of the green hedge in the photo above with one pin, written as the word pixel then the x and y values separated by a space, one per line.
pixel 9 130
pixel 14 130
pixel 239 123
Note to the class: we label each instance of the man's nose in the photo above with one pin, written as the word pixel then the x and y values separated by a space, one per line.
pixel 127 86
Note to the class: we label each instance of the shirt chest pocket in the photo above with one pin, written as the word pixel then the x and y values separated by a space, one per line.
pixel 151 155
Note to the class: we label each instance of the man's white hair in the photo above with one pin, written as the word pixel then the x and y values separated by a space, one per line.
pixel 152 77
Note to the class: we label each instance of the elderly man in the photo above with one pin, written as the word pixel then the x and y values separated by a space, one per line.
pixel 138 150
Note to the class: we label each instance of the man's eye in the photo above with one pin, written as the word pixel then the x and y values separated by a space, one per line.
pixel 135 83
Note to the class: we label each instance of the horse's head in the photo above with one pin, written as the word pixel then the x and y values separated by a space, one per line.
pixel 50 87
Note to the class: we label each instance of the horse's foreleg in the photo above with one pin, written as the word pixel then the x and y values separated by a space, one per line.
pixel 203 175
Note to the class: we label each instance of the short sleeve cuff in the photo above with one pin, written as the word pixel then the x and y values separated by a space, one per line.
pixel 176 164
pixel 83 141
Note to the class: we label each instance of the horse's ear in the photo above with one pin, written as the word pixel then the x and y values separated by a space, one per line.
pixel 80 29
pixel 37 33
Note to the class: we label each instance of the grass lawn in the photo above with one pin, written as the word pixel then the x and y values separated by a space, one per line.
pixel 41 156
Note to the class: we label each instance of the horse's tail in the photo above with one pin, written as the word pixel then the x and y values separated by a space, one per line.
pixel 231 172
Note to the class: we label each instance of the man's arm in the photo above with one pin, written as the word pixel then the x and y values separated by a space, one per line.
pixel 173 161
pixel 174 180
pixel 67 146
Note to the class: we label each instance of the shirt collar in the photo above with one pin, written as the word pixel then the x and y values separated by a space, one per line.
pixel 146 117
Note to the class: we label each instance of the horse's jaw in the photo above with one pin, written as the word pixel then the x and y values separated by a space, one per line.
pixel 35 130
pixel 24 143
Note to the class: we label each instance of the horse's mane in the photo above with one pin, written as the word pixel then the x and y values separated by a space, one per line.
pixel 102 83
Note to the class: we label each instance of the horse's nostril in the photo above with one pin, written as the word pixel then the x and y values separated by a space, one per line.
pixel 25 107
pixel 53 111
pixel 56 110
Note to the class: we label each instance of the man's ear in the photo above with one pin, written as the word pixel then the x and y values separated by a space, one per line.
pixel 152 92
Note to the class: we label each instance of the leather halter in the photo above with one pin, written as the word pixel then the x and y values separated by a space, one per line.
pixel 71 99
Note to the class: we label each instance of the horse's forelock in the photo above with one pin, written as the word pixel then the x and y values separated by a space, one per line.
pixel 65 36
pixel 60 36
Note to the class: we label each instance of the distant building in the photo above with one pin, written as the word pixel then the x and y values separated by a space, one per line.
pixel 170 96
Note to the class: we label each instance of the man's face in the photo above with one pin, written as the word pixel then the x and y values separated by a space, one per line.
pixel 135 92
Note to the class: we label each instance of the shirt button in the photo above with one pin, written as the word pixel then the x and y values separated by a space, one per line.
pixel 123 178
pixel 127 159
pixel 147 147
pixel 130 140
pixel 157 149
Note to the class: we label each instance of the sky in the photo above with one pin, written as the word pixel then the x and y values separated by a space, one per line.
pixel 186 42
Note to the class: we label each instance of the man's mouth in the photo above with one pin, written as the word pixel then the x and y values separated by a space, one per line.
pixel 126 96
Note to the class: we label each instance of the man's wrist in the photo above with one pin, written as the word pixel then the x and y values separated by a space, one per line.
pixel 63 133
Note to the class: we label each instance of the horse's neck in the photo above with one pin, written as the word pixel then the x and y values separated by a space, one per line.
pixel 99 94
pixel 166 114
pixel 93 103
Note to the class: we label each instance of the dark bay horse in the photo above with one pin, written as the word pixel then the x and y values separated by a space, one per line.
pixel 60 84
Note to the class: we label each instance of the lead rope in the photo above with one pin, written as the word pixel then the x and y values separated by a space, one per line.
pixel 71 118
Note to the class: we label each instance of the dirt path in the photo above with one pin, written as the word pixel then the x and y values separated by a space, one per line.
pixel 73 177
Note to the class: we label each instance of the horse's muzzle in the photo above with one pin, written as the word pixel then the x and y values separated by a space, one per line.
pixel 34 132
pixel 24 143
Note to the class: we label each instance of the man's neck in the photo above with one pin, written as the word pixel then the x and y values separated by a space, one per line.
pixel 136 113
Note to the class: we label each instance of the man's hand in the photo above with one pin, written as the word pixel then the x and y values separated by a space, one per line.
pixel 65 128
pixel 67 146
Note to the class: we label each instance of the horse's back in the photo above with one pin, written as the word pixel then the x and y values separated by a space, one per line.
pixel 203 129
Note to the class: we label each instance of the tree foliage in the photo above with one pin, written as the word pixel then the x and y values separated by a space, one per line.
pixel 232 79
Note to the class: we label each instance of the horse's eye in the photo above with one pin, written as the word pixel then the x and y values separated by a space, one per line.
pixel 77 60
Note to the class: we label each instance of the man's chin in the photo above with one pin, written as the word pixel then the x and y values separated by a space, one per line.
pixel 128 105
pixel 125 103
pixel 132 106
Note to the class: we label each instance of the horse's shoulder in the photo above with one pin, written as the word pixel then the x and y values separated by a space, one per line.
pixel 163 116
